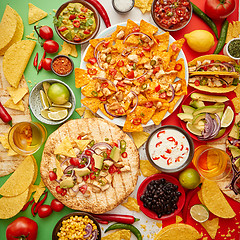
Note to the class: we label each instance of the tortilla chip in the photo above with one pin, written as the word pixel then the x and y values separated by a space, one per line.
pixel 237 90
pixel 18 33
pixel 101 107
pixel 20 180
pixel 35 14
pixel 229 33
pixel 11 152
pixel 92 103
pixel 178 219
pixel 17 57
pixel 80 111
pixel 10 104
pixel 82 144
pixel 173 103
pixel 66 49
pixel 181 73
pixel 132 40
pixel 39 192
pixel 211 227
pixel 130 127
pixel 4 141
pixel 162 42
pixel 73 52
pixel 17 94
pixel 148 28
pixel 144 113
pixel 35 170
pixel 65 148
pixel 130 26
pixel 140 138
pixel 131 204
pixel 59 171
pixel 88 114
pixel 236 103
pixel 235 32
pixel 147 168
pixel 175 48
pixel 11 206
pixel 200 197
pixel 159 115
pixel 81 77
pixel 89 53
pixel 94 42
pixel 8 27
pixel 215 200
pixel 118 235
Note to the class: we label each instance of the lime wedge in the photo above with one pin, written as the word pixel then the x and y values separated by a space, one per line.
pixel 192 129
pixel 46 86
pixel 199 213
pixel 227 117
pixel 44 113
pixel 56 116
pixel 65 105
pixel 56 109
pixel 44 100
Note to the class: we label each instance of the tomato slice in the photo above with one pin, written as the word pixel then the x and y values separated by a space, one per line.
pixel 74 161
pixel 157 88
pixel 113 169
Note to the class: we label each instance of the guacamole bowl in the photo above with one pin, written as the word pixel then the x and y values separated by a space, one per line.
pixel 76 22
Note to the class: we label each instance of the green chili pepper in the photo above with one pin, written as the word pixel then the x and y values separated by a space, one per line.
pixel 222 38
pixel 130 227
pixel 105 167
pixel 144 86
pixel 108 58
pixel 153 62
pixel 123 146
pixel 94 93
pixel 55 170
pixel 104 154
pixel 134 66
pixel 91 143
pixel 205 18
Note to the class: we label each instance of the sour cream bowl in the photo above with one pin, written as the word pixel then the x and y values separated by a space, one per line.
pixel 170 149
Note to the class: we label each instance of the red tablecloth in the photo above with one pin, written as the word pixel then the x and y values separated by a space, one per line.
pixel 226 225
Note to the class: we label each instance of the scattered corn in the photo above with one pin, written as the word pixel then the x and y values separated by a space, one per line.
pixel 74 228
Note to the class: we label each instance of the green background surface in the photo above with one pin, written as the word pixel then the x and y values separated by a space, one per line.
pixel 45 225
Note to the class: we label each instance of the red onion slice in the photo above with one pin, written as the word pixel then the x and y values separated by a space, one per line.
pixel 136 96
pixel 98 62
pixel 95 49
pixel 230 66
pixel 69 168
pixel 136 33
pixel 94 235
pixel 173 93
pixel 102 144
pixel 88 230
pixel 65 161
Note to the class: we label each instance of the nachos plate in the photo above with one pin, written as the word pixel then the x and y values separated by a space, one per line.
pixel 111 32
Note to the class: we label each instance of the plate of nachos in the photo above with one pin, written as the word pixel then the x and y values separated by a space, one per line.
pixel 133 75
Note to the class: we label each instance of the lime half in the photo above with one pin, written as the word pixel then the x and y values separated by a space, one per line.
pixel 227 117
pixel 199 213
pixel 58 115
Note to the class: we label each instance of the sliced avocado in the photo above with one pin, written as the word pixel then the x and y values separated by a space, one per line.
pixel 200 125
pixel 208 98
pixel 115 154
pixel 67 183
pixel 198 118
pixel 98 161
pixel 187 109
pixel 192 128
pixel 221 132
pixel 234 132
pixel 208 109
pixel 82 171
pixel 187 117
pixel 234 150
pixel 197 103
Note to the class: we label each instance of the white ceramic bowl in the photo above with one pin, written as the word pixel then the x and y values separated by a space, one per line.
pixel 225 49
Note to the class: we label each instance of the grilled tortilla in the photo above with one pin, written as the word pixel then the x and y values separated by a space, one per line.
pixel 122 184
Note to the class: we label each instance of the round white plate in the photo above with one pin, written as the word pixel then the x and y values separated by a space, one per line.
pixel 121 120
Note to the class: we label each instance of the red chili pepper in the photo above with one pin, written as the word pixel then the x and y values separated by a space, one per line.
pixel 26 205
pixel 81 17
pixel 120 63
pixel 102 221
pixel 178 67
pixel 87 31
pixel 156 69
pixel 4 115
pixel 103 98
pixel 112 71
pixel 117 218
pixel 163 156
pixel 35 61
pixel 181 147
pixel 163 131
pixel 32 209
pixel 40 64
pixel 141 54
pixel 169 161
pixel 76 23
pixel 178 159
pixel 147 49
pixel 124 154
pixel 83 188
pixel 104 85
pixel 158 144
pixel 197 83
pixel 168 151
pixel 106 43
pixel 130 74
pixel 136 121
pixel 101 10
pixel 157 88
pixel 92 71
pixel 62 29
pixel 40 202
pixel 156 158
pixel 171 139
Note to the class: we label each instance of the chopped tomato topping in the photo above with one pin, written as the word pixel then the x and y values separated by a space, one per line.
pixel 136 29
pixel 52 176
pixel 85 178
pixel 88 152
pixel 130 74
pixel 79 137
pixel 121 84
pixel 181 148
pixel 112 71
pixel 74 161
pixel 178 159
pixel 62 29
pixel 114 144
pixel 175 48
pixel 168 151
pixel 92 176
pixel 106 43
pixel 141 54
pixel 120 111
pixel 92 60
pixel 113 169
pixel 157 88
pixel 156 69
pixel 141 79
pixel 83 188
pixel 120 63
pixel 149 104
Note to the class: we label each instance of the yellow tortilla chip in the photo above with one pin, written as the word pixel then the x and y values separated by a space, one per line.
pixel 173 103
pixel 229 33
pixel 148 28
pixel 181 73
pixel 10 104
pixel 131 204
pixel 11 152
pixel 17 57
pixel 18 33
pixel 118 29
pixel 11 206
pixel 211 227
pixel 235 32
pixel 147 168
pixel 200 196
pixel 215 200
pixel 159 115
pixel 41 184
pixel 4 141
pixel 35 14
pixel 20 180
pixel 130 26
pixel 80 111
pixel 130 127
pixel 118 235
pixel 82 144
pixel 175 48
pixel 178 219
pixel 39 192
pixel 237 90
pixel 66 49
pixel 88 114
pixel 92 103
pixel 73 52
pixel 8 27
pixel 81 77
pixel 144 113
pixel 65 148
pixel 133 40
pixel 90 88
pixel 89 53
pixel 140 138
pixel 162 42
pixel 236 103
pixel 17 93
pixel 59 171
pixel 35 170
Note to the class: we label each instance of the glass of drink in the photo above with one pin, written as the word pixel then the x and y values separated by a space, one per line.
pixel 25 138
pixel 212 163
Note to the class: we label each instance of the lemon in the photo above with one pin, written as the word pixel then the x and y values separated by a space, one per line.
pixel 56 116
pixel 189 178
pixel 44 113
pixel 199 213
pixel 44 100
pixel 200 40
pixel 227 117
pixel 65 105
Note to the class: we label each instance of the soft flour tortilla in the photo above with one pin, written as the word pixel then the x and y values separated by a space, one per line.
pixel 123 183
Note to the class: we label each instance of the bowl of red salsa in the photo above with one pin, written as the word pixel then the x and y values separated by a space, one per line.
pixel 171 15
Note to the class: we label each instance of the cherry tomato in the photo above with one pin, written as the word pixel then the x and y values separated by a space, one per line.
pixel 59 190
pixel 50 46
pixel 52 176
pixel 219 9
pixel 56 205
pixel 44 211
pixel 46 64
pixel 74 161
pixel 46 32
pixel 22 228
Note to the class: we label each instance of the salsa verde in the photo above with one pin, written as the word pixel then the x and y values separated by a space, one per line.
pixel 76 22
pixel 234 48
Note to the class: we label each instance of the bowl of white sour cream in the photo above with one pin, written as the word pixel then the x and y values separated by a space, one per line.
pixel 170 149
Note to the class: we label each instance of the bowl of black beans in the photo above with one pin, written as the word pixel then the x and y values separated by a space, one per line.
pixel 161 196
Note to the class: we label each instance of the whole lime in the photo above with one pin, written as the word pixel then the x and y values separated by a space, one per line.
pixel 189 178
pixel 58 93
